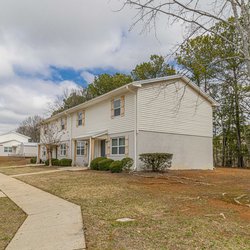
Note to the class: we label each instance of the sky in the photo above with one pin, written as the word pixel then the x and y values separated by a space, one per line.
pixel 47 47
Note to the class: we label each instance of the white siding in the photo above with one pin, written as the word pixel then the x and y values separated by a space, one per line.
pixel 173 108
pixel 98 118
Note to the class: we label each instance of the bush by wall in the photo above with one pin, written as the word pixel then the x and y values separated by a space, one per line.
pixel 55 162
pixel 94 163
pixel 33 160
pixel 104 165
pixel 127 163
pixel 156 161
pixel 65 162
pixel 116 167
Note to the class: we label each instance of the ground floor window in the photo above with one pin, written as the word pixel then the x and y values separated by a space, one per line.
pixel 8 149
pixel 63 149
pixel 80 148
pixel 118 146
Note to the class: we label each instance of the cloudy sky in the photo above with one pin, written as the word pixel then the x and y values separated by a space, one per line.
pixel 51 45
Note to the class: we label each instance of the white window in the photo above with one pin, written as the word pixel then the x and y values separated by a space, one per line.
pixel 118 146
pixel 8 149
pixel 79 120
pixel 62 123
pixel 63 149
pixel 117 107
pixel 80 148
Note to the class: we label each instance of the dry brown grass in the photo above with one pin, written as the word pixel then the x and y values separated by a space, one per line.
pixel 11 218
pixel 24 170
pixel 13 161
pixel 179 210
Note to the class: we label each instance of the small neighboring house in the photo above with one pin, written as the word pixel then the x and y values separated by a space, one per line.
pixel 168 114
pixel 16 144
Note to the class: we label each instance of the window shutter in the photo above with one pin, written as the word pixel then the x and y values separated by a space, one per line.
pixel 126 145
pixel 112 108
pixel 65 123
pixel 85 149
pixel 122 105
pixel 67 150
pixel 83 117
pixel 108 146
pixel 76 119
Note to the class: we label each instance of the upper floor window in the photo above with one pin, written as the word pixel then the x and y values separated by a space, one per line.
pixel 63 149
pixel 63 121
pixel 45 129
pixel 118 146
pixel 8 149
pixel 117 107
pixel 80 148
pixel 80 118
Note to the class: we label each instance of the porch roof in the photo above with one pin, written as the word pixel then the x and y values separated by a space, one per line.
pixel 89 135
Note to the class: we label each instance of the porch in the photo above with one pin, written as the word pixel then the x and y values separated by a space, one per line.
pixel 89 146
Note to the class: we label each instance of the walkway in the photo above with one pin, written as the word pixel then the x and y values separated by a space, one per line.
pixel 52 223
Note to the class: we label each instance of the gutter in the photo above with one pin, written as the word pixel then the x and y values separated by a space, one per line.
pixel 136 123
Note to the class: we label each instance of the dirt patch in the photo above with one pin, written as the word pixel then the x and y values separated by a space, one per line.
pixel 13 161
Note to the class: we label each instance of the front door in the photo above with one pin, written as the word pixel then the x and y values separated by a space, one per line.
pixel 103 146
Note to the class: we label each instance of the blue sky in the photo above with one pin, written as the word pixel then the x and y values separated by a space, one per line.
pixel 44 53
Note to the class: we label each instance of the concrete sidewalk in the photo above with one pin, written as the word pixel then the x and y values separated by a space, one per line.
pixel 52 223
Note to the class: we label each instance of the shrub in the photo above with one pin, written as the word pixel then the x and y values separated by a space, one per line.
pixel 116 167
pixel 55 162
pixel 33 160
pixel 94 163
pixel 156 161
pixel 65 162
pixel 127 163
pixel 104 165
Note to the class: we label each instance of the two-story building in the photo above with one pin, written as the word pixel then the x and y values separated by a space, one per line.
pixel 168 114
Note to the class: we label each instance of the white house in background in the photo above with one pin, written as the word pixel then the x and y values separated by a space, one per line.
pixel 16 144
pixel 168 114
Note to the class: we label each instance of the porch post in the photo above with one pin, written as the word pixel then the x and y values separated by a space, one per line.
pixel 38 154
pixel 92 148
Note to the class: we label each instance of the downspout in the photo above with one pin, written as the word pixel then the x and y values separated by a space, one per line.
pixel 136 126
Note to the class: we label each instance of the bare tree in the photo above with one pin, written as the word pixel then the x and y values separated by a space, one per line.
pixel 201 17
pixel 31 127
pixel 50 138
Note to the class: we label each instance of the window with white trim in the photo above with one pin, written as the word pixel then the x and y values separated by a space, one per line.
pixel 62 123
pixel 118 146
pixel 80 148
pixel 63 149
pixel 79 120
pixel 117 107
pixel 8 149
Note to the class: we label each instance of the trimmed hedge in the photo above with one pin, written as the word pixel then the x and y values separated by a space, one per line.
pixel 33 160
pixel 94 163
pixel 65 162
pixel 56 162
pixel 127 163
pixel 116 167
pixel 104 165
pixel 156 161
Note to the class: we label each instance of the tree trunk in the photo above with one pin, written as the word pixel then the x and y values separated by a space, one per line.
pixel 50 158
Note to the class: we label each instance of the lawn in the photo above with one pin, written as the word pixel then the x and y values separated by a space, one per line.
pixel 178 210
pixel 13 161
pixel 24 170
pixel 11 218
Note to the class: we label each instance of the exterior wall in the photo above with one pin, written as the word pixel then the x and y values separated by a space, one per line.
pixel 173 108
pixel 27 150
pixel 8 144
pixel 189 152
pixel 98 118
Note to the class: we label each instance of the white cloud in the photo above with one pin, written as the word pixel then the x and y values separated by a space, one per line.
pixel 88 77
pixel 82 34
